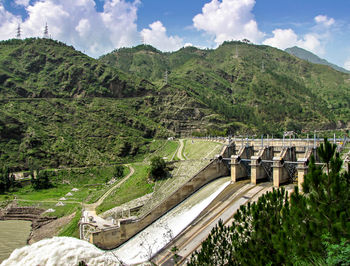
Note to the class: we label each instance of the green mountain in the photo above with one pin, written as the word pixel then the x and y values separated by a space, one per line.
pixel 256 88
pixel 308 56
pixel 43 68
pixel 61 108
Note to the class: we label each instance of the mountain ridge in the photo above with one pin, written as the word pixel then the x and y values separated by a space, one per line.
pixel 310 57
pixel 241 78
pixel 62 108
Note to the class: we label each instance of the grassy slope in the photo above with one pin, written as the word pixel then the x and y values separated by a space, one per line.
pixel 163 148
pixel 197 149
pixel 136 186
pixel 90 182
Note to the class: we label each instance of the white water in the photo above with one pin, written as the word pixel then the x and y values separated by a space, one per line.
pixel 69 251
pixel 153 238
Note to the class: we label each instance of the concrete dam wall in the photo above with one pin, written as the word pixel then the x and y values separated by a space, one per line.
pixel 113 237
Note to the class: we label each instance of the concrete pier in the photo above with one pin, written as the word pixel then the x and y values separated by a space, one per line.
pixel 238 170
pixel 258 172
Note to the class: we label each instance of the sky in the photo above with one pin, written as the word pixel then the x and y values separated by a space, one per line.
pixel 97 27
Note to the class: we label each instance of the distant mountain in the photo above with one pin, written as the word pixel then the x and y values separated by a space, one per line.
pixel 308 56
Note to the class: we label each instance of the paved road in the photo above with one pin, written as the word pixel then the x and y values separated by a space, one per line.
pixel 223 207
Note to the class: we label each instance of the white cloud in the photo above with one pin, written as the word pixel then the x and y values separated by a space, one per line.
pixel 313 41
pixel 324 20
pixel 77 23
pixel 22 2
pixel 157 37
pixel 188 44
pixel 347 64
pixel 229 20
pixel 282 39
pixel 83 27
pixel 285 38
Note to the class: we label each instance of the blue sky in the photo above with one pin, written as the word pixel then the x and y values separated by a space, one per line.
pixel 99 26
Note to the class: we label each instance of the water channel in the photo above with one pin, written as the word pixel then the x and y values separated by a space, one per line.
pixel 69 251
pixel 13 234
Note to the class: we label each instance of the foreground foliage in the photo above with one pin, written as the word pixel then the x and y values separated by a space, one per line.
pixel 309 228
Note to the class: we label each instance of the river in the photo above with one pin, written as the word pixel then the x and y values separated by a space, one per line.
pixel 13 234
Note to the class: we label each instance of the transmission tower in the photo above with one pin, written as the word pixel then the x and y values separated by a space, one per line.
pixel 46 31
pixel 18 35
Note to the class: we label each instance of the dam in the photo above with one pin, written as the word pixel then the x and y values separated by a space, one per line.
pixel 277 161
pixel 237 175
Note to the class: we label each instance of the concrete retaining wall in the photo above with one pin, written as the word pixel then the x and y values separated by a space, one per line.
pixel 113 237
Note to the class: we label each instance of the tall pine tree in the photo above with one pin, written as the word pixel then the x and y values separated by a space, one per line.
pixel 305 228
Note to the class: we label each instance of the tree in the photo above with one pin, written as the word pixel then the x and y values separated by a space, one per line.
pixel 118 171
pixel 41 181
pixel 279 230
pixel 328 197
pixel 158 169
pixel 7 180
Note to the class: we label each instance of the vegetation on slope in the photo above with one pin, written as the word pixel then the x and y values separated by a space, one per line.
pixel 256 88
pixel 108 116
pixel 46 68
pixel 56 133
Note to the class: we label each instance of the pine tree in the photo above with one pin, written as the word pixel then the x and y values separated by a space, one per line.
pixel 277 230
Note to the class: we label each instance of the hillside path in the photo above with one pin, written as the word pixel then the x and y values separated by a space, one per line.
pixel 179 151
pixel 91 207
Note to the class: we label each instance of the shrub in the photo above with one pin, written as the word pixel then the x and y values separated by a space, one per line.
pixel 158 169
pixel 41 181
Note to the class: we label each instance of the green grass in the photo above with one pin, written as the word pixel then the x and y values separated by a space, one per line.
pixel 91 183
pixel 197 149
pixel 72 229
pixel 136 186
pixel 184 148
pixel 162 148
pixel 60 211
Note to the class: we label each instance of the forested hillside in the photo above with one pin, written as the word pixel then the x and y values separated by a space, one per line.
pixel 62 108
pixel 264 88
